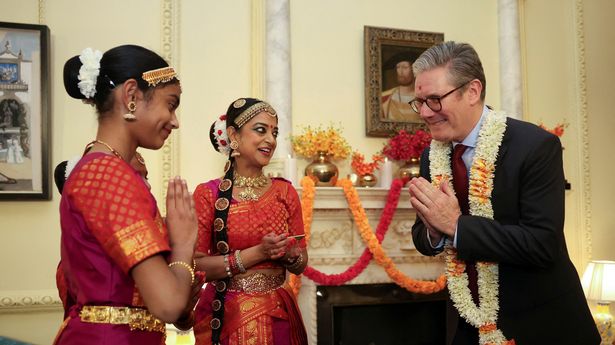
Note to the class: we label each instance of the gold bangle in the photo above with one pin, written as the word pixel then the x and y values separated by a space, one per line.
pixel 186 266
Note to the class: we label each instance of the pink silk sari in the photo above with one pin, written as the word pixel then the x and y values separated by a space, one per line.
pixel 110 223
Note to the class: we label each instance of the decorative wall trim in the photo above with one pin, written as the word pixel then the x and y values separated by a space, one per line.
pixel 41 12
pixel 523 58
pixel 29 301
pixel 170 51
pixel 583 133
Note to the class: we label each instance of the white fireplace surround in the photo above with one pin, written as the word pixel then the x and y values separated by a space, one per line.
pixel 335 244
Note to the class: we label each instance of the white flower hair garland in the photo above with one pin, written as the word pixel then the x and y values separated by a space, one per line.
pixel 88 73
pixel 485 317
pixel 221 135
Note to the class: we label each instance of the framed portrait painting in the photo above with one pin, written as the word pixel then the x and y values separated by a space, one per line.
pixel 25 138
pixel 389 81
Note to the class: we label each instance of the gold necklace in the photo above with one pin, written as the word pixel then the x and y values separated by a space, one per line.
pixel 89 146
pixel 249 183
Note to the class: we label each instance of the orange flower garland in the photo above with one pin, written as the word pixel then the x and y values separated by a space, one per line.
pixel 371 239
pixel 368 236
pixel 307 203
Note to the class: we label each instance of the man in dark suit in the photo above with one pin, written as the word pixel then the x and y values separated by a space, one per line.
pixel 540 296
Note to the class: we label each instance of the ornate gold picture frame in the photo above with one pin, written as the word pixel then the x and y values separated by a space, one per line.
pixel 389 83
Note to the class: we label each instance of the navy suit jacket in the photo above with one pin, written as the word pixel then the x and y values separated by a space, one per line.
pixel 541 299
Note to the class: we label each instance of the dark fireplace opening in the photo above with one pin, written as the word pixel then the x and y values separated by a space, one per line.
pixel 379 314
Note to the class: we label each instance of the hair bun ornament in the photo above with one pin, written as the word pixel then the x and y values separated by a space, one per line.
pixel 88 73
pixel 239 103
pixel 221 136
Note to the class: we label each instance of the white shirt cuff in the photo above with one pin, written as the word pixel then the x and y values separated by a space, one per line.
pixel 437 246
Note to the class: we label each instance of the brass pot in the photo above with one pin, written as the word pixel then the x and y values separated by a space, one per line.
pixel 368 180
pixel 322 171
pixel 410 169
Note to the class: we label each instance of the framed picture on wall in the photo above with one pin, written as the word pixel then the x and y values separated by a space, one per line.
pixel 389 81
pixel 25 138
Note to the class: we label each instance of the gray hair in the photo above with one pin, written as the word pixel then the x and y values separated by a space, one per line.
pixel 461 60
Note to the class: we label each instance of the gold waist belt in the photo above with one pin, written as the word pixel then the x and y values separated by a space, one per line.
pixel 256 283
pixel 136 318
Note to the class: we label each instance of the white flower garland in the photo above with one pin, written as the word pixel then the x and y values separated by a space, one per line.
pixel 88 73
pixel 221 135
pixel 480 187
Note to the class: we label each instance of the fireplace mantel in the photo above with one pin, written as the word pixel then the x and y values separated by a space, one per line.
pixel 335 244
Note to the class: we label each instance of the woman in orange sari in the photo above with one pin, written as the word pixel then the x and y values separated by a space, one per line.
pixel 250 234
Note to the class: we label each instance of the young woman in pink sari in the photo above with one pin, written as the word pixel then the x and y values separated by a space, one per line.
pixel 129 271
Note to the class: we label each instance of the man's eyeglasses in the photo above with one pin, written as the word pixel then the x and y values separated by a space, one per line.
pixel 433 102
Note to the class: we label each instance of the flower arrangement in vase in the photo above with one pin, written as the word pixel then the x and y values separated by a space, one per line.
pixel 321 145
pixel 407 147
pixel 366 170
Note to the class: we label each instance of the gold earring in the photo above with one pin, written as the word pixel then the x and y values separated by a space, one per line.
pixel 132 107
pixel 234 146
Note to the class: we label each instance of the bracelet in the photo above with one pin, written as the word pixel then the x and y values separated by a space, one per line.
pixel 233 264
pixel 240 265
pixel 186 266
pixel 227 267
pixel 295 264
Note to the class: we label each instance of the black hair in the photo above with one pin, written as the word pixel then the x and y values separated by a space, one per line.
pixel 116 66
pixel 59 175
pixel 221 237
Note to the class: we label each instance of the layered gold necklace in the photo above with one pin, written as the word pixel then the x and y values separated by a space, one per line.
pixel 250 184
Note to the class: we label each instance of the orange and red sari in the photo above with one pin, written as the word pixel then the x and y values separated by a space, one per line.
pixel 269 316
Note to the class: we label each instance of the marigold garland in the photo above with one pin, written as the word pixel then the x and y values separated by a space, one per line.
pixel 359 266
pixel 307 202
pixel 307 205
pixel 372 240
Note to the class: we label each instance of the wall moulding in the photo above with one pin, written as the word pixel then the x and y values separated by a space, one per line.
pixel 29 301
